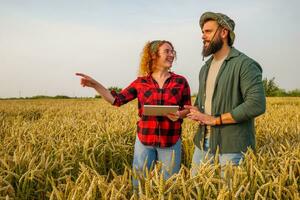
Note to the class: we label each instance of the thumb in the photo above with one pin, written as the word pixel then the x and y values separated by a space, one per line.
pixel 189 107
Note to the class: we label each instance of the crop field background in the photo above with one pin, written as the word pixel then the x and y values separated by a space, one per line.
pixel 83 149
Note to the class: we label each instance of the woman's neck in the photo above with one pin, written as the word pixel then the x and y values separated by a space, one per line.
pixel 161 73
pixel 160 76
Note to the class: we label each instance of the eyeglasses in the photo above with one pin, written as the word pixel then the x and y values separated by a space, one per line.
pixel 169 51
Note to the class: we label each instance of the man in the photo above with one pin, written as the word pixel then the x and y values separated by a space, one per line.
pixel 230 95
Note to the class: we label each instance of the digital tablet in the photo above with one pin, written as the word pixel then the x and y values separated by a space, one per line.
pixel 159 110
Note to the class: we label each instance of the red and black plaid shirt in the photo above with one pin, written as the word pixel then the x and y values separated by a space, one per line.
pixel 156 130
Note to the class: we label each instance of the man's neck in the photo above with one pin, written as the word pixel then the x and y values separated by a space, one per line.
pixel 223 52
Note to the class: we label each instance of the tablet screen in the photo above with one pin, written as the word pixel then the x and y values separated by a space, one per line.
pixel 159 110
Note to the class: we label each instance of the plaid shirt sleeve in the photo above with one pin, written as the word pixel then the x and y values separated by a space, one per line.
pixel 186 95
pixel 125 95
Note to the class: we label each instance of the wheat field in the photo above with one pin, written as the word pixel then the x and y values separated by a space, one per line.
pixel 83 149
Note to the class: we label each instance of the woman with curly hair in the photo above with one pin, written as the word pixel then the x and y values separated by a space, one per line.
pixel 158 137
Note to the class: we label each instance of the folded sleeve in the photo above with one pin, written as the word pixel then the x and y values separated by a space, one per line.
pixel 126 95
pixel 251 87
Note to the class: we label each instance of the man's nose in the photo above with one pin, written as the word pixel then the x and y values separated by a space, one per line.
pixel 203 36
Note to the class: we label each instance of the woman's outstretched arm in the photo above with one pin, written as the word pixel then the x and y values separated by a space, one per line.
pixel 87 81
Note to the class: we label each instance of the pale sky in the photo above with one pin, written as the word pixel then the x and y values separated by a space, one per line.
pixel 43 43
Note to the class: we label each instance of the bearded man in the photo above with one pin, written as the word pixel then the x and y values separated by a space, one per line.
pixel 230 95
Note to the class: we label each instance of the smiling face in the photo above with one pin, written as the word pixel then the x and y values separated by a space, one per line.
pixel 156 55
pixel 166 55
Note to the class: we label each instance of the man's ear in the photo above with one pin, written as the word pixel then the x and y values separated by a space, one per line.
pixel 224 33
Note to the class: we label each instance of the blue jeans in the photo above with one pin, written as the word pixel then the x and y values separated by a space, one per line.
pixel 202 156
pixel 148 155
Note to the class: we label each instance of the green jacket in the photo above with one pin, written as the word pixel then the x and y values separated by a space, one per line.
pixel 239 91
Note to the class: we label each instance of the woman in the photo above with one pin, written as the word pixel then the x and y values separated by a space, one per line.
pixel 158 137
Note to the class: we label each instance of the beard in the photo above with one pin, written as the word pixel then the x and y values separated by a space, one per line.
pixel 213 47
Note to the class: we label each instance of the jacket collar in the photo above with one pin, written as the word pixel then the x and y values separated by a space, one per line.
pixel 149 76
pixel 233 53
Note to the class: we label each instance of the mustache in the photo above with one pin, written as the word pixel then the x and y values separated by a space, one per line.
pixel 206 41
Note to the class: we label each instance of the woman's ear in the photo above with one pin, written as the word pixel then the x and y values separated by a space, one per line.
pixel 153 56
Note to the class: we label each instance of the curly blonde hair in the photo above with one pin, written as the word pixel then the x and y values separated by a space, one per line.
pixel 149 56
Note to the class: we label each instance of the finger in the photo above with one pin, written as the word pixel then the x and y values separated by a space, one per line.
pixel 190 107
pixel 195 112
pixel 83 82
pixel 192 113
pixel 172 118
pixel 189 115
pixel 82 75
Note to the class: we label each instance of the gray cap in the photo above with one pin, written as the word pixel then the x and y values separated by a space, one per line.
pixel 222 20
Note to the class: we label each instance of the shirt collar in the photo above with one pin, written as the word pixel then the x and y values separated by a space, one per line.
pixel 171 73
